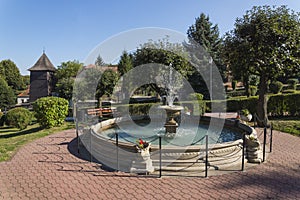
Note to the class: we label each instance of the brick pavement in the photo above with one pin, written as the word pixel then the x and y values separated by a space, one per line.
pixel 45 169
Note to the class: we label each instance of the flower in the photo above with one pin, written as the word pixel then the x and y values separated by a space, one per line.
pixel 142 144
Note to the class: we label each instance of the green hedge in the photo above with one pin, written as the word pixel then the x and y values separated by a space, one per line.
pixel 278 105
pixel 284 104
pixel 144 108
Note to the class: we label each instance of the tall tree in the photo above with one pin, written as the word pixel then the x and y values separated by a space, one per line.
pixel 265 42
pixel 99 61
pixel 125 64
pixel 65 76
pixel 205 34
pixel 107 83
pixel 7 97
pixel 11 74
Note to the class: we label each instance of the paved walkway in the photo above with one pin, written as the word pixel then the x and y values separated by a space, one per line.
pixel 45 169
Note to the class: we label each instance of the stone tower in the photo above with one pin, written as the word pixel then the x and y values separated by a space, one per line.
pixel 41 78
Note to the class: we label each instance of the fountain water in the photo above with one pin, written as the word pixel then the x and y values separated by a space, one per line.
pixel 171 110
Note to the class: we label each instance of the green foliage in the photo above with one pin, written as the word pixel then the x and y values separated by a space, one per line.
pixel 65 75
pixel 19 118
pixel 285 104
pixel 276 87
pixel 265 42
pixel 278 105
pixel 293 83
pixel 107 83
pixel 252 90
pixel 289 91
pixel 99 61
pixel 206 34
pixel 10 72
pixel 7 96
pixel 50 111
pixel 125 64
pixel 196 96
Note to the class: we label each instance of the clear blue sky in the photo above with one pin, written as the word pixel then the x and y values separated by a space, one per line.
pixel 70 29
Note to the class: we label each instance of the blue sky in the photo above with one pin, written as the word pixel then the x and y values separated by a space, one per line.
pixel 71 29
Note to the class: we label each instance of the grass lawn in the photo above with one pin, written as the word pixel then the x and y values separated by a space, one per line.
pixel 288 125
pixel 11 139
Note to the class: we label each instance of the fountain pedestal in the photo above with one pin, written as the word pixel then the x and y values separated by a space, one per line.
pixel 172 112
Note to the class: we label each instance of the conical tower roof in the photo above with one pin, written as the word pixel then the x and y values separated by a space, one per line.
pixel 43 64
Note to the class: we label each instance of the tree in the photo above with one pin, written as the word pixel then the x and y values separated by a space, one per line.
pixel 205 34
pixel 165 53
pixel 266 43
pixel 65 76
pixel 107 83
pixel 11 74
pixel 7 96
pixel 126 63
pixel 99 61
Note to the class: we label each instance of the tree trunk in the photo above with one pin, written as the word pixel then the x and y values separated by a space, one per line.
pixel 262 102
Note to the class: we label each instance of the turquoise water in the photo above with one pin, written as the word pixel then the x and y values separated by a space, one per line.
pixel 186 134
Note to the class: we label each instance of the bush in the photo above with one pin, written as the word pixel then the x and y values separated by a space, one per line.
pixel 292 83
pixel 276 87
pixel 196 96
pixel 19 118
pixel 50 111
pixel 252 90
pixel 278 105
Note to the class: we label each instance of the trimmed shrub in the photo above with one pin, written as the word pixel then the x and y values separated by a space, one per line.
pixel 278 105
pixel 51 111
pixel 284 105
pixel 252 90
pixel 292 83
pixel 196 96
pixel 289 91
pixel 276 87
pixel 19 118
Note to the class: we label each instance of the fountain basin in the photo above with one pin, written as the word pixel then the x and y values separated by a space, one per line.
pixel 174 157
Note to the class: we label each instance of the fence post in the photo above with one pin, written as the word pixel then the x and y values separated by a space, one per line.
pixel 117 146
pixel 264 144
pixel 159 155
pixel 271 138
pixel 243 152
pixel 206 156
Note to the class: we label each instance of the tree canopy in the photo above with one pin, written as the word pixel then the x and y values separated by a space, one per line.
pixel 265 42
pixel 7 96
pixel 65 76
pixel 10 72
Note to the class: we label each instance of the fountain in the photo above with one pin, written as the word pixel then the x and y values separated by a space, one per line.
pixel 172 111
pixel 177 143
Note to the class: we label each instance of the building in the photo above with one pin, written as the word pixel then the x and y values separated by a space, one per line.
pixel 42 80
pixel 23 97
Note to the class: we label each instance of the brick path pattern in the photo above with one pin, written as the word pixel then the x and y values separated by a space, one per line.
pixel 45 169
